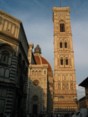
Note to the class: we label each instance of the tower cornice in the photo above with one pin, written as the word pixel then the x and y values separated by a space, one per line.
pixel 61 9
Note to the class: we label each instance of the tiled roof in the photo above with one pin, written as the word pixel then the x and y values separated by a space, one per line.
pixel 41 60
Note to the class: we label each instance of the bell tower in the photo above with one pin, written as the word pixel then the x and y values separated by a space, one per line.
pixel 64 101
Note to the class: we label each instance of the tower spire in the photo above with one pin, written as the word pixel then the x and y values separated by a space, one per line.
pixel 60 3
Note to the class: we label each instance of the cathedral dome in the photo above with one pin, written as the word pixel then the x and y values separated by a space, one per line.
pixel 40 59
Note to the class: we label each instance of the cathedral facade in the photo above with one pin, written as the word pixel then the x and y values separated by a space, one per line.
pixel 40 84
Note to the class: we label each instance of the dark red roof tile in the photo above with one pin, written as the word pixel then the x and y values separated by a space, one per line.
pixel 41 60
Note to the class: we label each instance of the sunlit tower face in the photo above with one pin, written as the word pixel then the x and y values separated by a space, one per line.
pixel 64 69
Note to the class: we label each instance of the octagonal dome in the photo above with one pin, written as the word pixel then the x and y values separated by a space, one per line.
pixel 40 59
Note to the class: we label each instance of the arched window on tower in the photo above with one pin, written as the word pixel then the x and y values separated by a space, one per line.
pixel 66 61
pixel 60 44
pixel 62 27
pixel 65 44
pixel 61 61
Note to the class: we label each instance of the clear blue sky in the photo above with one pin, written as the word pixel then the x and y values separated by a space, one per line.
pixel 36 16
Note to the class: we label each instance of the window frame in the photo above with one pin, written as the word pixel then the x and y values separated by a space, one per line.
pixel 5 57
pixel 62 27
pixel 61 45
pixel 65 45
pixel 61 61
pixel 66 61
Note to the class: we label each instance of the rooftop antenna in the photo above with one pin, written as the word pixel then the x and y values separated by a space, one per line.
pixel 60 3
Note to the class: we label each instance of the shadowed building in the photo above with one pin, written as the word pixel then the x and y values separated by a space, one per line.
pixel 83 102
pixel 64 70
pixel 13 66
pixel 40 82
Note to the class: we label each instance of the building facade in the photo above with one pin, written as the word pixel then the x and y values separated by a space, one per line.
pixel 64 70
pixel 40 82
pixel 13 67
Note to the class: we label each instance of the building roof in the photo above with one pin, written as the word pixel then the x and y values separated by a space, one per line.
pixel 9 16
pixel 84 83
pixel 82 99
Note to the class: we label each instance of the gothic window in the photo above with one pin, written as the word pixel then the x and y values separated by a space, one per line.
pixel 1 71
pixel 60 44
pixel 66 61
pixel 61 61
pixel 62 27
pixel 5 57
pixel 7 73
pixel 65 44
